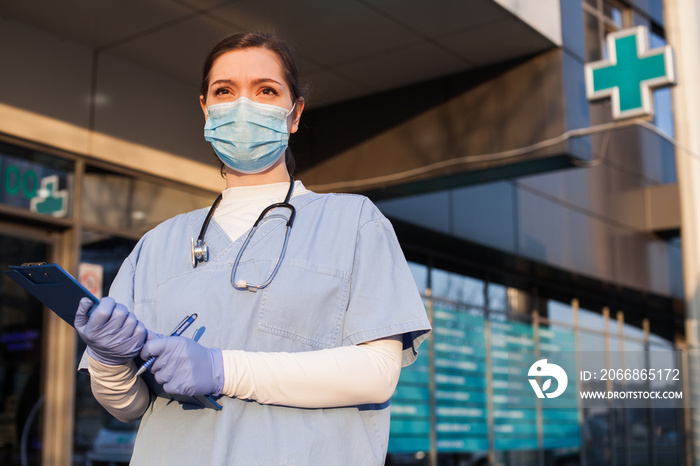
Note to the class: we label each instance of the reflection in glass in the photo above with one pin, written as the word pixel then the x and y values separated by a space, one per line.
pixel 559 313
pixel 498 299
pixel 666 420
pixel 663 104
pixel 610 431
pixel 98 436
pixel 613 13
pixel 458 288
pixel 114 200
pixel 20 358
pixel 420 275
pixel 592 37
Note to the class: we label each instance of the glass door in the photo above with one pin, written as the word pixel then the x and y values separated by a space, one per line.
pixel 21 350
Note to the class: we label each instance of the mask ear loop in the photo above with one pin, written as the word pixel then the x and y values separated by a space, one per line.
pixel 292 109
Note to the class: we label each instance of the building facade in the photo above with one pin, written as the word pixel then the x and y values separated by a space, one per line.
pixel 536 224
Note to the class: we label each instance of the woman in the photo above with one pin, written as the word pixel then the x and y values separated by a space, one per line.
pixel 303 367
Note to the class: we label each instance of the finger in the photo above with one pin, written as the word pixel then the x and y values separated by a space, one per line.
pixel 129 325
pixel 161 378
pixel 102 312
pixel 160 363
pixel 176 388
pixel 140 332
pixel 153 335
pixel 117 320
pixel 84 307
pixel 154 346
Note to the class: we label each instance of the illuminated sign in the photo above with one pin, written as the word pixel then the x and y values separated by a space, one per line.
pixel 38 183
pixel 466 356
pixel 630 73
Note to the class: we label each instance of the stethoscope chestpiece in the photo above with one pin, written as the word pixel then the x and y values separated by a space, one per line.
pixel 200 252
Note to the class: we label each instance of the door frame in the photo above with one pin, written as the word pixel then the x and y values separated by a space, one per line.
pixel 58 358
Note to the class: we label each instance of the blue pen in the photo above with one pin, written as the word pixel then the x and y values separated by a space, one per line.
pixel 179 330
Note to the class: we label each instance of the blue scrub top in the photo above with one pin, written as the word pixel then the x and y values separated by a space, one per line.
pixel 343 281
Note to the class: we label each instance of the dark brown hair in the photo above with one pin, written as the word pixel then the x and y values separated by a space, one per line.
pixel 266 41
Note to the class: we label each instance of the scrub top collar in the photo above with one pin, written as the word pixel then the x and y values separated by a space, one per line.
pixel 219 242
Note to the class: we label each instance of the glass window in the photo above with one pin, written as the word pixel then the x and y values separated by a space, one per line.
pixel 498 297
pixel 663 105
pixel 99 438
pixel 21 317
pixel 457 288
pixel 420 275
pixel 592 37
pixel 613 13
pixel 591 320
pixel 560 313
pixel 122 202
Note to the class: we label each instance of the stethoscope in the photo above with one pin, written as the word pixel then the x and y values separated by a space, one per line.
pixel 200 250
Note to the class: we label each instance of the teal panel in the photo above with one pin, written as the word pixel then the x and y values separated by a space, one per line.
pixel 406 392
pixel 446 397
pixel 505 429
pixel 462 445
pixel 442 380
pixel 560 415
pixel 459 411
pixel 409 427
pixel 561 430
pixel 409 375
pixel 515 414
pixel 458 316
pixel 525 443
pixel 403 409
pixel 408 444
pixel 446 425
pixel 568 442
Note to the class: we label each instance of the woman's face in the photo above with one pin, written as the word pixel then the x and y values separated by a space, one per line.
pixel 254 73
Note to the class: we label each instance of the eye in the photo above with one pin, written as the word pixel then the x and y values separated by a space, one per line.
pixel 269 91
pixel 220 91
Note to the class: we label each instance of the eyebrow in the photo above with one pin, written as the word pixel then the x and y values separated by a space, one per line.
pixel 255 81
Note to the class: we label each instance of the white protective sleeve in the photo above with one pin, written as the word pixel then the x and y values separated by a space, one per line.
pixel 345 376
pixel 349 375
pixel 118 389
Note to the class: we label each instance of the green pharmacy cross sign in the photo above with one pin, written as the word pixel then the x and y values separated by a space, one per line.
pixel 630 74
pixel 49 199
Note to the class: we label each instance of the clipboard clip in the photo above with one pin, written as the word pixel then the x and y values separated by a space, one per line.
pixel 32 264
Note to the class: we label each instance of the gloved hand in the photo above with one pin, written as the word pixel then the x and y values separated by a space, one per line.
pixel 113 334
pixel 183 366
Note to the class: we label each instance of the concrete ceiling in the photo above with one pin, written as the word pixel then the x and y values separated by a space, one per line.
pixel 346 48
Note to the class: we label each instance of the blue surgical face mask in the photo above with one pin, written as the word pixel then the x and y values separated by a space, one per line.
pixel 247 136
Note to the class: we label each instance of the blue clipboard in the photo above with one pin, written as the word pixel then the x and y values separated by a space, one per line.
pixel 53 286
pixel 60 292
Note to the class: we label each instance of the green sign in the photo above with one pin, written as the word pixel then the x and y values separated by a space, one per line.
pixel 464 359
pixel 49 200
pixel 35 182
pixel 630 73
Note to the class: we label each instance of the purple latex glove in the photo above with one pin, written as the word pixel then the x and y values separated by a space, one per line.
pixel 113 334
pixel 183 366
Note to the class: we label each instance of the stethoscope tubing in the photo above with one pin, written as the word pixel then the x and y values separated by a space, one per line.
pixel 200 251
